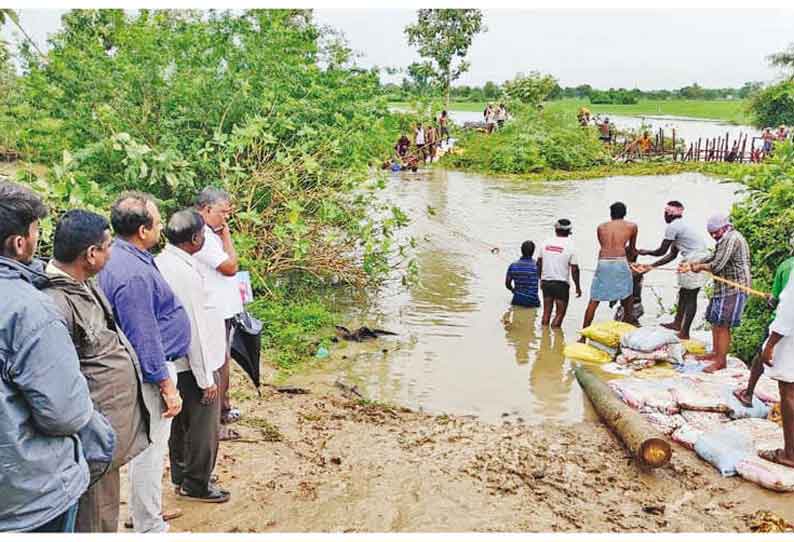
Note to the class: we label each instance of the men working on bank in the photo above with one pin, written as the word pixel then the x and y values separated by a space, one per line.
pixel 522 278
pixel 556 261
pixel 731 261
pixel 681 238
pixel 613 280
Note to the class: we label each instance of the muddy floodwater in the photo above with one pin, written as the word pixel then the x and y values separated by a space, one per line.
pixel 462 349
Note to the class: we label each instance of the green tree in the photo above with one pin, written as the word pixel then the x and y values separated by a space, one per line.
pixel 773 105
pixel 531 89
pixel 785 60
pixel 443 38
pixel 490 90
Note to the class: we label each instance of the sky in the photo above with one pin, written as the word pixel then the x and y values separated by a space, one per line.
pixel 647 49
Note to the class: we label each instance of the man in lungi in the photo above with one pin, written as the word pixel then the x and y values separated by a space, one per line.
pixel 613 280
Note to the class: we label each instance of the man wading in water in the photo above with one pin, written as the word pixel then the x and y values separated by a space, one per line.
pixel 613 280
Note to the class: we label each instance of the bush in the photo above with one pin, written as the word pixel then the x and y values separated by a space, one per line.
pixel 263 102
pixel 531 143
pixel 766 219
pixel 773 105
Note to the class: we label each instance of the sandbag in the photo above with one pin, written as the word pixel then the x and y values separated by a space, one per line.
pixel 767 390
pixel 738 410
pixel 705 421
pixel 701 395
pixel 660 354
pixel 664 423
pixel 648 339
pixel 724 448
pixel 607 333
pixel 673 353
pixel 585 352
pixel 766 474
pixel 765 434
pixel 693 347
pixel 612 352
pixel 686 435
pixel 635 364
pixel 645 393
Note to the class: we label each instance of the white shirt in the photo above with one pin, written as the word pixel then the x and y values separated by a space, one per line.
pixel 687 240
pixel 207 351
pixel 420 137
pixel 783 356
pixel 558 255
pixel 223 291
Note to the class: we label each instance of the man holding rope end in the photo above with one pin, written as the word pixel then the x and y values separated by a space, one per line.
pixel 730 266
pixel 681 238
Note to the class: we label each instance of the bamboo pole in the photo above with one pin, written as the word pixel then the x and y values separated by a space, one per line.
pixel 644 443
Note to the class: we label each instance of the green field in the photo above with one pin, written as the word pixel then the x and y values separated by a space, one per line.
pixel 726 110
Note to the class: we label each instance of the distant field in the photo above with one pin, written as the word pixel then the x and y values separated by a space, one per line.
pixel 726 110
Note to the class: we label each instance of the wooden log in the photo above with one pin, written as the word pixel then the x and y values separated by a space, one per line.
pixel 646 445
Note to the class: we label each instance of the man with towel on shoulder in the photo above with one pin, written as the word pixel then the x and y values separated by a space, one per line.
pixel 613 280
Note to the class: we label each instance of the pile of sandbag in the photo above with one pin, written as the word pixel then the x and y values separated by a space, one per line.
pixel 700 412
pixel 603 341
pixel 647 346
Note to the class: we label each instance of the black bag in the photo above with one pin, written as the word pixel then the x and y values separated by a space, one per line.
pixel 247 344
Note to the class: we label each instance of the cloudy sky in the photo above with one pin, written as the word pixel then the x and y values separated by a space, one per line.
pixel 605 48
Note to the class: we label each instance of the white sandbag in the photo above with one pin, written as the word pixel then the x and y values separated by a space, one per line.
pixel 767 390
pixel 664 423
pixel 669 352
pixel 636 364
pixel 724 448
pixel 765 434
pixel 735 363
pixel 701 395
pixel 648 339
pixel 705 421
pixel 738 410
pixel 766 474
pixel 686 435
pixel 652 394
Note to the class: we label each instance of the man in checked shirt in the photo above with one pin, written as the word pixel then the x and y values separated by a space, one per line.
pixel 731 260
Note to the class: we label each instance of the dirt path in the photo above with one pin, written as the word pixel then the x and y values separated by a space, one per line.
pixel 325 462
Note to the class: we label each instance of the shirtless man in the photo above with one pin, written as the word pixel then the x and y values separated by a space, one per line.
pixel 613 280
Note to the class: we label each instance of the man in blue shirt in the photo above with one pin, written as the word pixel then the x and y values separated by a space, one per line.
pixel 522 278
pixel 158 328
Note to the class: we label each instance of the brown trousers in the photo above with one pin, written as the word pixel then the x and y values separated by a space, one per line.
pixel 98 510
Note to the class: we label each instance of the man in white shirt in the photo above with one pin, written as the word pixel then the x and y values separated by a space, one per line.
pixel 193 445
pixel 681 238
pixel 219 259
pixel 558 258
pixel 778 356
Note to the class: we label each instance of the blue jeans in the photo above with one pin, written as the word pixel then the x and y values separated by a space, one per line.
pixel 61 524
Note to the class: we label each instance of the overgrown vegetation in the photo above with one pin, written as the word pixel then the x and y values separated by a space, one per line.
pixel 264 103
pixel 531 143
pixel 774 105
pixel 766 218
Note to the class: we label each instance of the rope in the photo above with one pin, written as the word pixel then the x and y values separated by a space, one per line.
pixel 736 285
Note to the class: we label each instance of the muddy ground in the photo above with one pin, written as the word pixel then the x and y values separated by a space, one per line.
pixel 328 461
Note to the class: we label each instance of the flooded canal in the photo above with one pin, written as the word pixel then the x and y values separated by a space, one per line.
pixel 462 349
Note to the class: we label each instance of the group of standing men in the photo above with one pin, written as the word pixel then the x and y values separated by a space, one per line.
pixel 618 275
pixel 112 356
